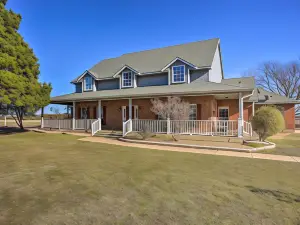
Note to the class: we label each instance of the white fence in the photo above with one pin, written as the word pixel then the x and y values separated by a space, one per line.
pixel 67 124
pixel 200 127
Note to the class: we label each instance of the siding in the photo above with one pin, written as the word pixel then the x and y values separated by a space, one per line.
pixel 199 75
pixel 152 80
pixel 215 74
pixel 78 87
pixel 110 84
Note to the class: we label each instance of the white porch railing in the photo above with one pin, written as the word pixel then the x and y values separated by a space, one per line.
pixel 247 128
pixel 127 127
pixel 96 126
pixel 200 127
pixel 84 124
pixel 67 124
pixel 57 123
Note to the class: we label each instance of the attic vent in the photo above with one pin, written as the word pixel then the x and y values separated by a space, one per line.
pixel 267 97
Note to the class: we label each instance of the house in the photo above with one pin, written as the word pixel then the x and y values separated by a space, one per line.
pixel 116 92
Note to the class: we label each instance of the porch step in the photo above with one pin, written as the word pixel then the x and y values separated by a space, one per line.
pixel 109 134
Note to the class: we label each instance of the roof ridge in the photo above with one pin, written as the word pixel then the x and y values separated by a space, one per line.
pixel 170 46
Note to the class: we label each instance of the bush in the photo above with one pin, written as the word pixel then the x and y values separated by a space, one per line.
pixel 145 132
pixel 267 121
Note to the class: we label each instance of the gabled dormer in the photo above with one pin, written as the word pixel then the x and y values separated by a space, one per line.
pixel 127 77
pixel 85 82
pixel 179 71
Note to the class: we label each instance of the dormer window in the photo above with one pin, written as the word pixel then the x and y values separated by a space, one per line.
pixel 178 74
pixel 127 78
pixel 88 83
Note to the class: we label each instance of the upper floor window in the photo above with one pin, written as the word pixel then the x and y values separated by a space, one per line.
pixel 88 83
pixel 178 74
pixel 127 79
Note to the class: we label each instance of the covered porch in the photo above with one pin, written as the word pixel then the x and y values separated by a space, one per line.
pixel 218 114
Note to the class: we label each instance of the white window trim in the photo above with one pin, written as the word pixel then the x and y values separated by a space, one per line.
pixel 124 113
pixel 223 107
pixel 184 79
pixel 132 79
pixel 84 84
pixel 196 111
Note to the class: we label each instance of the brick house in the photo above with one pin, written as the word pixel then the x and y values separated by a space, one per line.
pixel 118 90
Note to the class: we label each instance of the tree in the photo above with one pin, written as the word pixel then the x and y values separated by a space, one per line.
pixel 174 108
pixel 267 121
pixel 283 79
pixel 20 90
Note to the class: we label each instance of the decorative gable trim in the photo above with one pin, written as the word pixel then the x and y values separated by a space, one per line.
pixel 182 60
pixel 85 73
pixel 123 68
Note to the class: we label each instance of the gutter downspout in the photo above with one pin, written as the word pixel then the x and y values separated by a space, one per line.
pixel 241 113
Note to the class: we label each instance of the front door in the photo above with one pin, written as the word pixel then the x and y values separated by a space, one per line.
pixel 103 115
pixel 125 112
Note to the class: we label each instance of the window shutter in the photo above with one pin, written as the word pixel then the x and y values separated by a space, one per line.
pixel 198 111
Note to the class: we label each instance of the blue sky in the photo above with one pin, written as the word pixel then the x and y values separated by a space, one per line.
pixel 69 37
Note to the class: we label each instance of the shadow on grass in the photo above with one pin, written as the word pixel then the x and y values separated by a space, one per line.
pixel 279 195
pixel 11 130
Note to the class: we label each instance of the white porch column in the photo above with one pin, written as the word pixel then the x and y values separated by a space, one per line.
pixel 241 116
pixel 74 115
pixel 130 108
pixel 253 108
pixel 99 113
pixel 5 121
pixel 130 113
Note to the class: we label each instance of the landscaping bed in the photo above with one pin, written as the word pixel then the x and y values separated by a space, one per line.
pixel 196 140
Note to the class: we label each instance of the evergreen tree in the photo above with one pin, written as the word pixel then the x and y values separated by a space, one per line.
pixel 20 90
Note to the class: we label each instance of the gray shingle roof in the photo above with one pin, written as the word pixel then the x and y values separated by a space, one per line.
pixel 197 87
pixel 200 54
pixel 248 82
pixel 262 96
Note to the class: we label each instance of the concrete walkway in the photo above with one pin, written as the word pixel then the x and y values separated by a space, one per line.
pixel 193 150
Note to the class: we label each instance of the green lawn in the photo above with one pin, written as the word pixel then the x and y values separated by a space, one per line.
pixel 290 145
pixel 56 179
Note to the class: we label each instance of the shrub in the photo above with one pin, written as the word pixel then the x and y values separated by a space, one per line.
pixel 145 132
pixel 267 121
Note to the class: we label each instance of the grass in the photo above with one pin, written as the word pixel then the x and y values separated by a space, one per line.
pixel 289 145
pixel 26 123
pixel 56 179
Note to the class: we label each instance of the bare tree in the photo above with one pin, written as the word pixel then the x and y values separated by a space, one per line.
pixel 283 79
pixel 173 108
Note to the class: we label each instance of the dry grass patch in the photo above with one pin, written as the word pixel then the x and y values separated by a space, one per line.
pixel 56 179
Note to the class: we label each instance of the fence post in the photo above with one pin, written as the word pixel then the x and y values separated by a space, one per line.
pixel 124 129
pixel 168 126
pixel 42 122
pixel 59 124
pixel 99 121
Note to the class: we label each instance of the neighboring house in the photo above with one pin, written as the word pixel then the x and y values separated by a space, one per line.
pixel 119 89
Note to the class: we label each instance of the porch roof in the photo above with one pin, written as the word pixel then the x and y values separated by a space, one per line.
pixel 262 96
pixel 194 88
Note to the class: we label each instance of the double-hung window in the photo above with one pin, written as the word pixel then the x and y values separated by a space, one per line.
pixel 178 74
pixel 88 83
pixel 193 112
pixel 127 79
